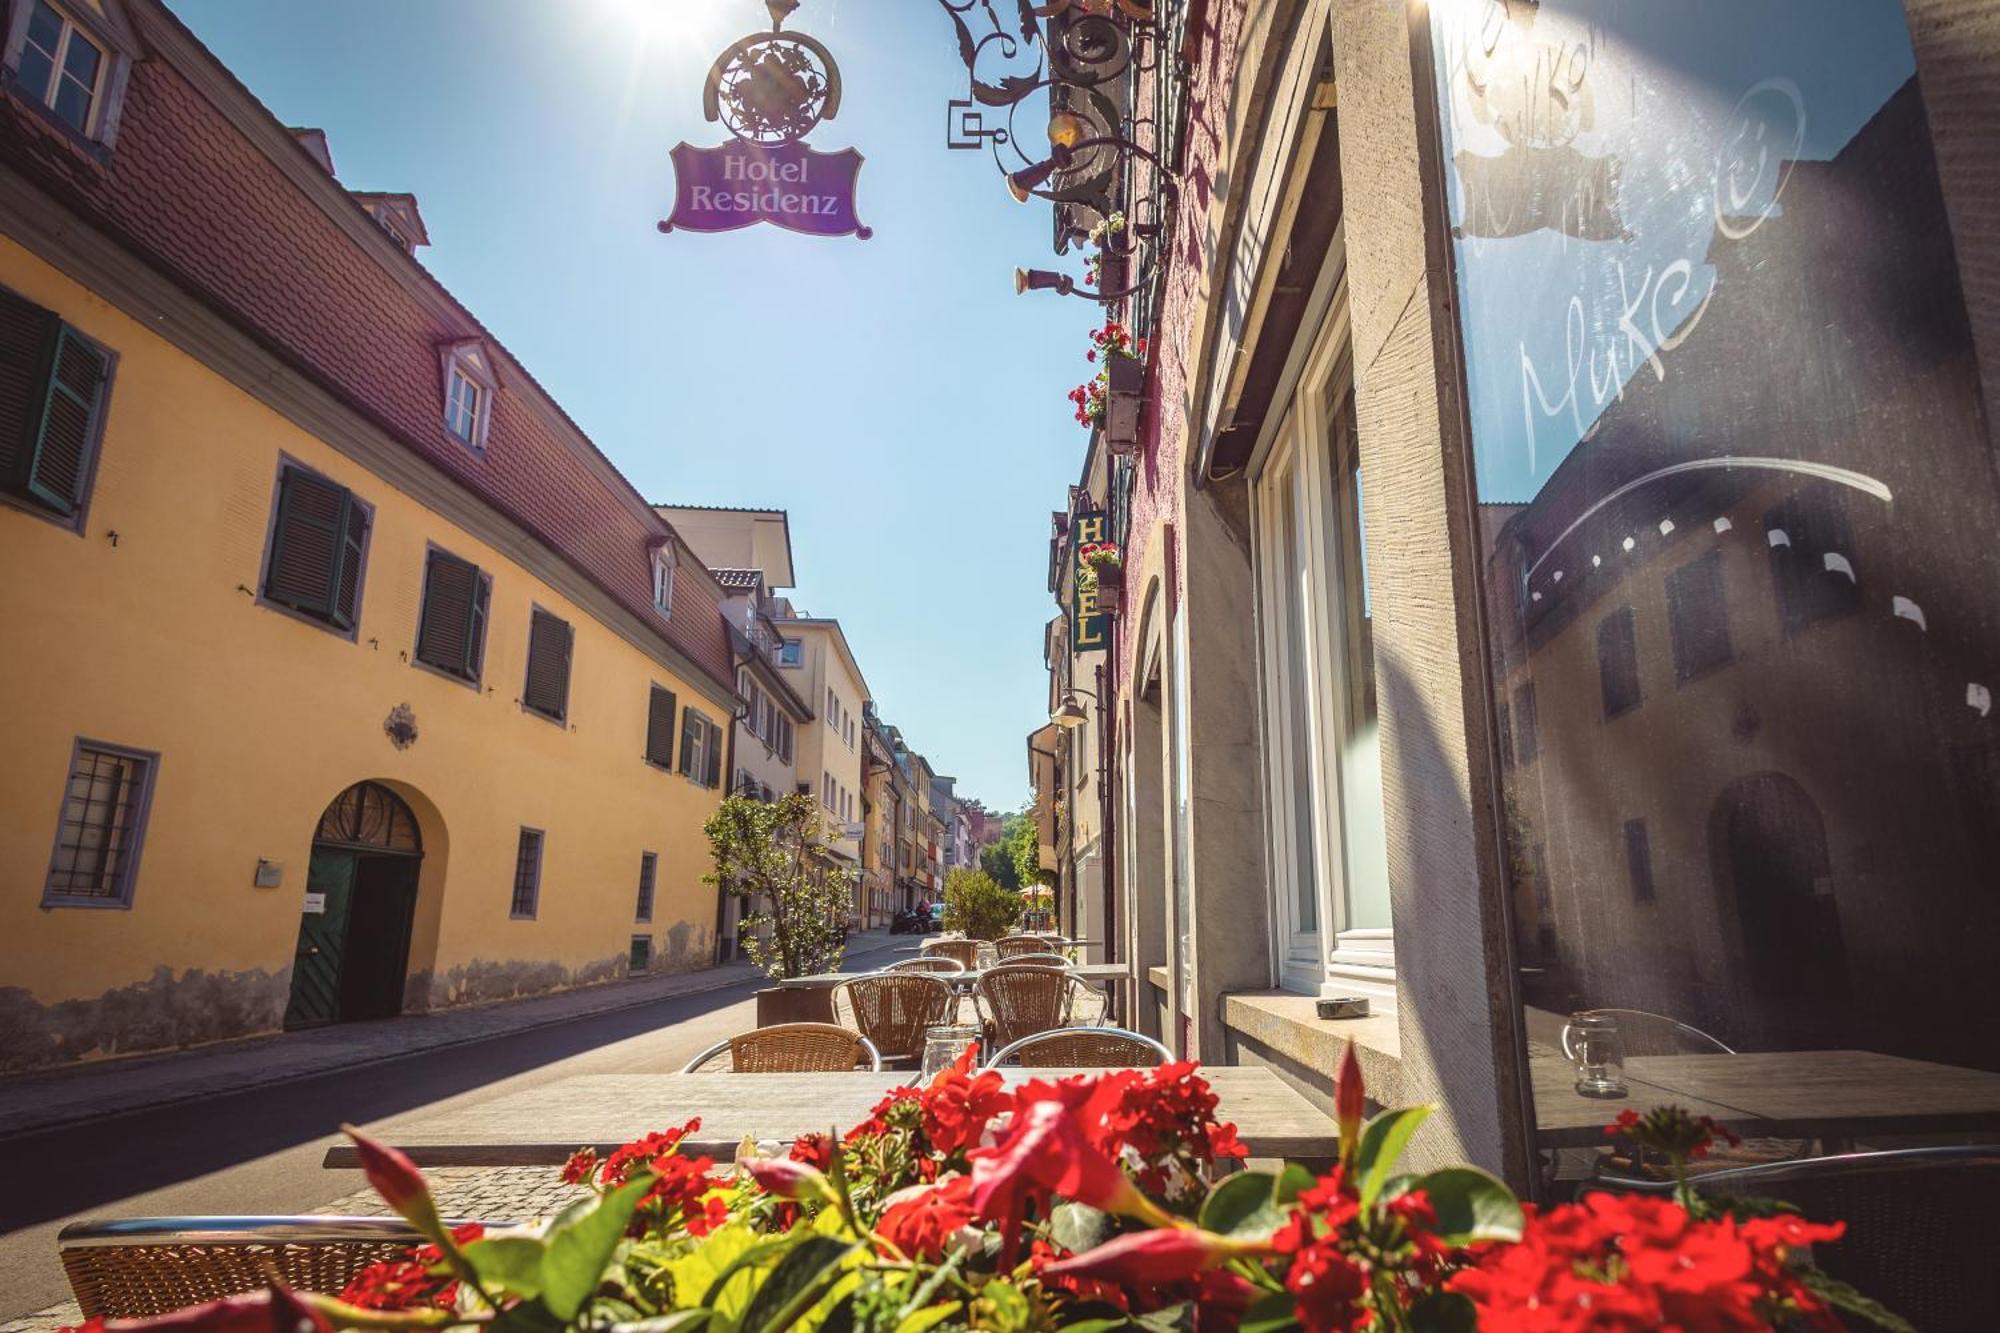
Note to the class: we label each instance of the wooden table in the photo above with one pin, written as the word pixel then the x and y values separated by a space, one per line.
pixel 1777 1094
pixel 542 1126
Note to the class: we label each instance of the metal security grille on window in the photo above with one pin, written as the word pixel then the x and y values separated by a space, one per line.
pixel 99 813
pixel 648 869
pixel 527 873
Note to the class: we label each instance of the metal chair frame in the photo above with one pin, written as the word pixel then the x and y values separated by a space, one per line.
pixel 829 1030
pixel 1140 1039
pixel 1036 960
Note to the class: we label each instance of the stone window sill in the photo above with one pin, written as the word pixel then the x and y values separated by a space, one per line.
pixel 1281 1030
pixel 1160 978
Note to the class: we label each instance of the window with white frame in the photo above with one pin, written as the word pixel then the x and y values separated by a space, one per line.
pixel 1323 775
pixel 73 68
pixel 468 396
pixel 664 560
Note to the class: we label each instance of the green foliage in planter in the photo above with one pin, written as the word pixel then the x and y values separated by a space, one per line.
pixel 977 906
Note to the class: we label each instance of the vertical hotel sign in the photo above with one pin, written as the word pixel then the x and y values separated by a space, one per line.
pixel 769 90
pixel 1089 627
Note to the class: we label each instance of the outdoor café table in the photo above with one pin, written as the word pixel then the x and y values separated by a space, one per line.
pixel 1803 1094
pixel 542 1126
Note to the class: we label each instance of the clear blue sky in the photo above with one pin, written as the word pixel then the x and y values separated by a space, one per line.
pixel 893 394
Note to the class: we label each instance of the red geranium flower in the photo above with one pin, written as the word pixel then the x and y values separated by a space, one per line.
pixel 1153 1257
pixel 409 1283
pixel 921 1221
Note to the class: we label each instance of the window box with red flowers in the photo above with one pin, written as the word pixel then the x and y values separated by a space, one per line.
pixel 1111 397
pixel 1101 569
pixel 1098 1202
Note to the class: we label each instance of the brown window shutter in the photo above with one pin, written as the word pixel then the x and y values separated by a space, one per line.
pixel 548 666
pixel 309 547
pixel 660 728
pixel 449 634
pixel 28 336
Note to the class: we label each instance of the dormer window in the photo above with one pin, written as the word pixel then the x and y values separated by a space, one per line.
pixel 74 69
pixel 663 579
pixel 397 215
pixel 468 393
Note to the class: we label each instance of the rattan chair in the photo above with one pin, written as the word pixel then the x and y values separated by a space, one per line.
pixel 963 952
pixel 1018 1000
pixel 950 967
pixel 1039 959
pixel 1011 947
pixel 138 1267
pixel 895 1009
pixel 792 1048
pixel 1084 1048
pixel 1919 1224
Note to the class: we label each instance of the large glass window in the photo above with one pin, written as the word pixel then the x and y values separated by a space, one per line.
pixel 1736 490
pixel 1323 774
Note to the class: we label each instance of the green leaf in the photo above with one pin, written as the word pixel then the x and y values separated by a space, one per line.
pixel 1471 1206
pixel 799 1280
pixel 580 1250
pixel 749 1256
pixel 1382 1142
pixel 917 1321
pixel 1293 1181
pixel 1092 1325
pixel 526 1317
pixel 1173 1319
pixel 1847 1300
pixel 1444 1312
pixel 1273 1312
pixel 512 1264
pixel 680 1321
pixel 1078 1227
pixel 1243 1206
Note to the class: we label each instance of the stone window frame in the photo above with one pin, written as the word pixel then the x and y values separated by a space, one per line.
pixel 140 808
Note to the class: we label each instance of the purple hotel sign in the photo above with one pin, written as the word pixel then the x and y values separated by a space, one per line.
pixel 740 183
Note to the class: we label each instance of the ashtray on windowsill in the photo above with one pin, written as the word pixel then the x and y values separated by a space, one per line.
pixel 1342 1006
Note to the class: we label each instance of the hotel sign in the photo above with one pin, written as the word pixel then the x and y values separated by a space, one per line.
pixel 769 90
pixel 1089 627
pixel 787 184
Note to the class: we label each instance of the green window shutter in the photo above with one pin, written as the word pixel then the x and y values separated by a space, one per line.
pixel 61 456
pixel 450 632
pixel 690 734
pixel 347 580
pixel 660 728
pixel 309 547
pixel 547 691
pixel 714 778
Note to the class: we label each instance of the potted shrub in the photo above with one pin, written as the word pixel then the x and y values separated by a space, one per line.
pixel 977 907
pixel 795 904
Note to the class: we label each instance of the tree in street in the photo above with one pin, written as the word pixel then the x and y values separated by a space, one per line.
pixel 978 907
pixel 767 853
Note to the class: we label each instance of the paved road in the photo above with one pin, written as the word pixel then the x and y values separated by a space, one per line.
pixel 259 1151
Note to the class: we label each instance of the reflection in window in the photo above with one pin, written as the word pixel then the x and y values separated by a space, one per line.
pixel 1639 860
pixel 1618 661
pixel 1698 617
pixel 1812 558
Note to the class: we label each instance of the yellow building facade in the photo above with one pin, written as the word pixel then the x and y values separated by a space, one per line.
pixel 197 779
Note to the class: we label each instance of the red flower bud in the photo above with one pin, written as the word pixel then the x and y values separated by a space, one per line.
pixel 395 1177
pixel 789 1180
pixel 276 1310
pixel 1148 1258
pixel 1350 1102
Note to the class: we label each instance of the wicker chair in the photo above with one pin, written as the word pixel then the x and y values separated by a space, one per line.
pixel 138 1267
pixel 1010 947
pixel 1018 1000
pixel 792 1048
pixel 963 952
pixel 1084 1048
pixel 950 967
pixel 1039 959
pixel 895 1009
pixel 1919 1224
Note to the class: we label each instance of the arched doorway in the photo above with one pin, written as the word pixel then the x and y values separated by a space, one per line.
pixel 361 900
pixel 1768 844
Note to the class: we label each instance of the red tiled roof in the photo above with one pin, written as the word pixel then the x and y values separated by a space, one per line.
pixel 199 201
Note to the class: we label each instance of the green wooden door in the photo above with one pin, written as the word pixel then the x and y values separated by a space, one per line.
pixel 322 940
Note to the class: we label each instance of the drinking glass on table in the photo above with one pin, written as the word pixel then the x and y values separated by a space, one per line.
pixel 1592 1043
pixel 943 1045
